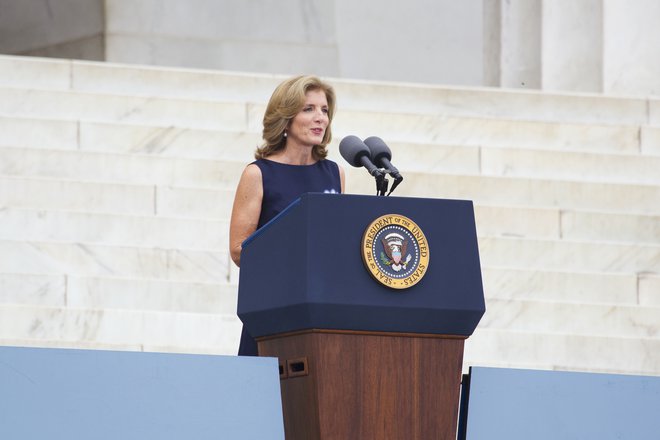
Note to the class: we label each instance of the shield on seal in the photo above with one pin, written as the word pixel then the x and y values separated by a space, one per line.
pixel 394 242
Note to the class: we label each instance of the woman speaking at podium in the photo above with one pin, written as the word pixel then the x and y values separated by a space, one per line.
pixel 292 161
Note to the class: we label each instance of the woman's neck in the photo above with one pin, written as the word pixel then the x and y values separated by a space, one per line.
pixel 294 155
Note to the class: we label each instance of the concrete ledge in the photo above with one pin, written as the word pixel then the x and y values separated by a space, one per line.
pixel 109 395
pixel 563 404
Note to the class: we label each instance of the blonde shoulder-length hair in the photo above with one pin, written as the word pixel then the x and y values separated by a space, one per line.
pixel 287 101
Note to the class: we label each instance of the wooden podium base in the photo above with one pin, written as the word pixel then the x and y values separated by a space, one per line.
pixel 367 385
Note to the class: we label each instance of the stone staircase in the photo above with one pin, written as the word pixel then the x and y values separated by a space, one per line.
pixel 116 184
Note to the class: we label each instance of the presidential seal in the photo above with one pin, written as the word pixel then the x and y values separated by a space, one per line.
pixel 395 251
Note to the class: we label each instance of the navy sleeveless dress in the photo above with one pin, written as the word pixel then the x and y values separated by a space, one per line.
pixel 282 184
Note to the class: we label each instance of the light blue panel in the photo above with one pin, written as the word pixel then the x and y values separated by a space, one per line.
pixel 77 394
pixel 527 404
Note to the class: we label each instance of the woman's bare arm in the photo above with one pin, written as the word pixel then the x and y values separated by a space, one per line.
pixel 342 179
pixel 246 210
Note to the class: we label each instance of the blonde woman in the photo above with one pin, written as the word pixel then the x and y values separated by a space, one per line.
pixel 291 162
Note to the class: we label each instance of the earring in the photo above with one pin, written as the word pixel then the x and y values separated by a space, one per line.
pixel 284 133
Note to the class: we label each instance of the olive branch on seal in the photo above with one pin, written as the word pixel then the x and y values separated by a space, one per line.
pixel 383 259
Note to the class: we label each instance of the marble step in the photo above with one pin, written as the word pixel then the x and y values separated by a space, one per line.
pixel 38 132
pixel 115 198
pixel 500 285
pixel 100 293
pixel 208 232
pixel 26 72
pixel 230 349
pixel 75 345
pixel 649 289
pixel 145 330
pixel 87 198
pixel 169 141
pixel 578 319
pixel 96 260
pixel 119 168
pixel 91 259
pixel 514 191
pixel 391 126
pixel 73 106
pixel 161 331
pixel 608 227
pixel 493 132
pixel 514 349
pixel 111 229
pixel 239 146
pixel 574 225
pixel 503 284
pixel 43 195
pixel 607 168
pixel 136 169
pixel 361 95
pixel 564 255
pixel 189 233
pixel 33 289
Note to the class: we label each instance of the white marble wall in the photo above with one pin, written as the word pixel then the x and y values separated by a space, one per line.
pixel 64 29
pixel 597 46
pixel 370 39
pixel 268 36
pixel 430 41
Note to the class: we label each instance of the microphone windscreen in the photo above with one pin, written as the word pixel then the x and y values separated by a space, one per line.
pixel 378 149
pixel 352 149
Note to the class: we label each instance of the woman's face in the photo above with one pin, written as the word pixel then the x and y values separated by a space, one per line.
pixel 307 128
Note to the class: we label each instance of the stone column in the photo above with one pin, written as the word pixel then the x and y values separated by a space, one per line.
pixel 572 45
pixel 520 44
pixel 492 42
pixel 631 47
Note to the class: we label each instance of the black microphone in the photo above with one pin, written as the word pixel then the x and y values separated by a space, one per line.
pixel 381 155
pixel 358 154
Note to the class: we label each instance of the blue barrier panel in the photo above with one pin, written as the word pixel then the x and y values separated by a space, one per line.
pixel 93 394
pixel 526 404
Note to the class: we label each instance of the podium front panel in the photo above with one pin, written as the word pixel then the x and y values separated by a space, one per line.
pixel 304 269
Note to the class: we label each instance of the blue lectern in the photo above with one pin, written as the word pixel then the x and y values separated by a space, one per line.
pixel 359 359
